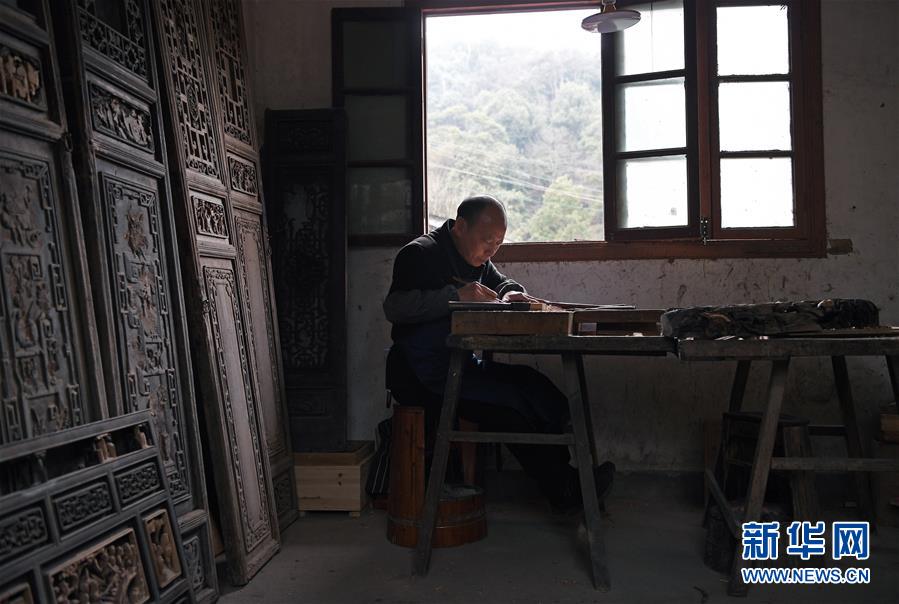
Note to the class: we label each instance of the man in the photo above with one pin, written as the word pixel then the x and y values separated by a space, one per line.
pixel 453 263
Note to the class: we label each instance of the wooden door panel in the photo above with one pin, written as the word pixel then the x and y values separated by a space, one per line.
pixel 249 483
pixel 251 241
pixel 221 330
pixel 41 315
pixel 112 94
pixel 304 185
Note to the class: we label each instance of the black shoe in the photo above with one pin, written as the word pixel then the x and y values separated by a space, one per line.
pixel 568 500
pixel 603 477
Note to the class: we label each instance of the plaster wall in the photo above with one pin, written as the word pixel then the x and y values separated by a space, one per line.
pixel 649 412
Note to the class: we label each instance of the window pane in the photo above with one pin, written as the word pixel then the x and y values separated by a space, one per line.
pixel 376 127
pixel 757 192
pixel 380 201
pixel 651 115
pixel 753 40
pixel 754 116
pixel 514 109
pixel 656 43
pixel 374 54
pixel 652 192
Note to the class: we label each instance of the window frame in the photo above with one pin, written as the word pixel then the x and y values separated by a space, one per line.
pixel 703 237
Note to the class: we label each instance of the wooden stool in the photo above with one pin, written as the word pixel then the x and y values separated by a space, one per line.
pixel 461 516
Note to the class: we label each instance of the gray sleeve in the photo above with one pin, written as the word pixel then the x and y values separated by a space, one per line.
pixel 419 305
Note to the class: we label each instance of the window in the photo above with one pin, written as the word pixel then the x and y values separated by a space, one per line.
pixel 694 134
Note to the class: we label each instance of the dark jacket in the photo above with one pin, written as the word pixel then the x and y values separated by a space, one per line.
pixel 424 282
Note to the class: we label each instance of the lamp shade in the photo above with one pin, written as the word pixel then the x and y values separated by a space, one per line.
pixel 610 19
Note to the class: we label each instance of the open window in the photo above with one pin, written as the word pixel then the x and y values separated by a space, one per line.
pixel 694 134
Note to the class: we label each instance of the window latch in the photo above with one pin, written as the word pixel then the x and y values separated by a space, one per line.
pixel 705 230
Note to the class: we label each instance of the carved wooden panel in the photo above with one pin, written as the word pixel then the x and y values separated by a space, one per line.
pixel 18 593
pixel 243 175
pixel 230 71
pixel 112 568
pixel 251 242
pixel 242 424
pixel 21 74
pixel 120 118
pixel 183 42
pixel 208 176
pixel 112 91
pixel 48 378
pixel 304 188
pixel 85 541
pixel 41 384
pixel 165 555
pixel 117 30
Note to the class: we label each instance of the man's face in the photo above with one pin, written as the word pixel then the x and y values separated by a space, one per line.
pixel 479 241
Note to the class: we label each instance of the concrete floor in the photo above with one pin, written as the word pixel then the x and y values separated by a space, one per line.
pixel 654 539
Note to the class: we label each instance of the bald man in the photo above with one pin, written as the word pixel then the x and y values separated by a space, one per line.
pixel 453 263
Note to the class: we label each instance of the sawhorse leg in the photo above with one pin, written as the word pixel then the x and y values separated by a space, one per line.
pixel 573 369
pixel 760 467
pixel 737 391
pixel 893 370
pixel 438 464
pixel 853 436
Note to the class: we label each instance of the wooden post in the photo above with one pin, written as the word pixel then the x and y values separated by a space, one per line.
pixel 585 463
pixel 738 389
pixel 853 436
pixel 760 466
pixel 893 369
pixel 802 483
pixel 438 464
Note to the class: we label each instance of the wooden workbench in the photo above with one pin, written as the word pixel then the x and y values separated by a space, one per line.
pixel 572 348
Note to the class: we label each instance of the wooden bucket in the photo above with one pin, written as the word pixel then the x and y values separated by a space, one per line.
pixel 461 516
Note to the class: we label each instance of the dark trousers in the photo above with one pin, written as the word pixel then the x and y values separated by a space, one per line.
pixel 515 398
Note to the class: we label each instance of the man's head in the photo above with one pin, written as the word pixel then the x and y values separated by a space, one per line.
pixel 479 228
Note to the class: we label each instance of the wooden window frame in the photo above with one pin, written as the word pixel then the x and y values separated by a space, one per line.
pixel 415 134
pixel 703 237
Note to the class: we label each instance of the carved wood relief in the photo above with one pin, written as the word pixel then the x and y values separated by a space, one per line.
pixel 209 216
pixel 243 175
pixel 22 531
pixel 120 118
pixel 82 506
pixel 20 77
pixel 163 552
pixel 111 570
pixel 19 593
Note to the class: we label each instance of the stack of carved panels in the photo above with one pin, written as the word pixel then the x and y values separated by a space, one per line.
pixel 85 516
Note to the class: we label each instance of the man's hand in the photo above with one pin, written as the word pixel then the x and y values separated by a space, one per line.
pixel 518 297
pixel 475 292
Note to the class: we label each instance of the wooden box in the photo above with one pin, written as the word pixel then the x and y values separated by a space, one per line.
pixel 333 481
pixel 617 322
pixel 511 322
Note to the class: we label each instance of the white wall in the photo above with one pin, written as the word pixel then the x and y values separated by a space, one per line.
pixel 649 411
